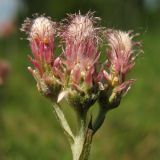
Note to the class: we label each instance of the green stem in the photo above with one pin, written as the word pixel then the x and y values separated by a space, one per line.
pixel 99 120
pixel 81 143
pixel 87 145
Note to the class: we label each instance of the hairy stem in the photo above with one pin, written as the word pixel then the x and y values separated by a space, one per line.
pixel 81 142
pixel 82 145
pixel 77 146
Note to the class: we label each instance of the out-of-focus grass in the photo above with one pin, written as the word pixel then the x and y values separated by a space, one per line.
pixel 29 130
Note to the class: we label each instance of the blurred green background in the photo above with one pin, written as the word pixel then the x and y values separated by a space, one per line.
pixel 28 127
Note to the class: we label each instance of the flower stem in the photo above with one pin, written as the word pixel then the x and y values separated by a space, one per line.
pixel 81 142
pixel 87 145
pixel 82 145
pixel 99 120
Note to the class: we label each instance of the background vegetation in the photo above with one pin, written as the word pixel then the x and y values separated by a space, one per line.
pixel 28 128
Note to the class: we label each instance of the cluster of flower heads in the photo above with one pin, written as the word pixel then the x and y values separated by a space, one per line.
pixel 77 74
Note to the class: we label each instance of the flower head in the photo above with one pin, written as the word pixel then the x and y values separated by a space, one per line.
pixel 81 47
pixel 41 31
pixel 121 59
pixel 80 55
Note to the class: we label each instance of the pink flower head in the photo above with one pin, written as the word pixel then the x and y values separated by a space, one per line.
pixel 41 32
pixel 121 58
pixel 81 43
